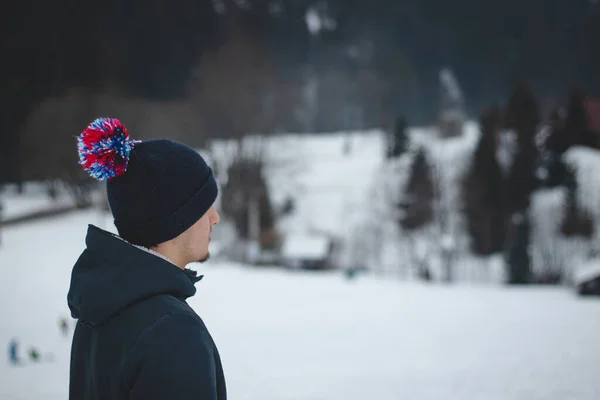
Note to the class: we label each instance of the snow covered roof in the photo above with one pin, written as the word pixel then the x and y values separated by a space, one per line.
pixel 587 272
pixel 305 246
pixel 587 163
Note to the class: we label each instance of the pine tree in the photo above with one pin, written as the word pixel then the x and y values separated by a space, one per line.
pixel 556 171
pixel 522 180
pixel 482 190
pixel 518 260
pixel 397 141
pixel 400 137
pixel 522 116
pixel 522 112
pixel 390 137
pixel 577 125
pixel 417 202
pixel 576 221
pixel 554 146
pixel 558 141
pixel 572 129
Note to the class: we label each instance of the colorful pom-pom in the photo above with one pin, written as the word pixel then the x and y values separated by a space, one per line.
pixel 104 148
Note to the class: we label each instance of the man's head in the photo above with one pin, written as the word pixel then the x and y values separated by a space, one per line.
pixel 192 245
pixel 160 192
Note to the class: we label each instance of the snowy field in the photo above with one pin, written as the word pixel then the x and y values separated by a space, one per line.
pixel 287 335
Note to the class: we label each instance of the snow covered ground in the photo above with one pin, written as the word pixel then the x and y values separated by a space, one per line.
pixel 33 199
pixel 290 335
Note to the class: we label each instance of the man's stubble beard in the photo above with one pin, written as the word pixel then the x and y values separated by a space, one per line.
pixel 204 259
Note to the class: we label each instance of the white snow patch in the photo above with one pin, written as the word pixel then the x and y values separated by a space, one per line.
pixel 587 164
pixel 305 247
pixel 34 198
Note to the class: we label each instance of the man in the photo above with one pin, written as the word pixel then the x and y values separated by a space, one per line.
pixel 136 337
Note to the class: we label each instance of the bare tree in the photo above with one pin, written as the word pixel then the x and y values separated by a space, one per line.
pixel 245 197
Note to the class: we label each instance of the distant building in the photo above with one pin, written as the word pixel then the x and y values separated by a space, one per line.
pixel 587 278
pixel 310 251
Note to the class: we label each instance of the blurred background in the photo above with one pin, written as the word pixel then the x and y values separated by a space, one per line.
pixel 409 189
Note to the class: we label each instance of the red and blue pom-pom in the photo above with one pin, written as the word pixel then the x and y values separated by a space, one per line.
pixel 104 148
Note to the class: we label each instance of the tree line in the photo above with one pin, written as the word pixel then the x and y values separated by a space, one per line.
pixel 518 152
pixel 254 66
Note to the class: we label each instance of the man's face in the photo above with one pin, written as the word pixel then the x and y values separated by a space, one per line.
pixel 197 238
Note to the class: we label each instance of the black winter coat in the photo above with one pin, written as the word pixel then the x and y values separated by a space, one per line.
pixel 136 337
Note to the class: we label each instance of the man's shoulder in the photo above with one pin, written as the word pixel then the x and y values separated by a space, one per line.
pixel 177 322
pixel 155 310
pixel 176 334
pixel 168 309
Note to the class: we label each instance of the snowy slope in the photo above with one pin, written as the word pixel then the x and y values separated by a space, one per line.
pixel 288 335
pixel 330 188
pixel 351 196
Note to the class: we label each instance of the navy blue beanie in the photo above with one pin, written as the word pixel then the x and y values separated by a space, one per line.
pixel 156 189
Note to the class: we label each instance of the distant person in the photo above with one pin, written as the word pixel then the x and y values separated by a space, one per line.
pixel 136 337
pixel 34 355
pixel 1 217
pixel 13 352
pixel 64 327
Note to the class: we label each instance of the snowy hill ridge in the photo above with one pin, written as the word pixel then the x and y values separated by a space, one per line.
pixel 343 187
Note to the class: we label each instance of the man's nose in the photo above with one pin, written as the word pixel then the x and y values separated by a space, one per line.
pixel 216 218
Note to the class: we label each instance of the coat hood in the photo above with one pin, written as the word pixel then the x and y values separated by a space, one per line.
pixel 112 274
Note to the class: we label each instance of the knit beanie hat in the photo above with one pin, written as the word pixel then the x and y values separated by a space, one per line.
pixel 156 189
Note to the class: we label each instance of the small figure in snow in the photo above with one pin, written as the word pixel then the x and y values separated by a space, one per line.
pixel 347 146
pixel 351 273
pixel 64 327
pixel 13 350
pixel 34 355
